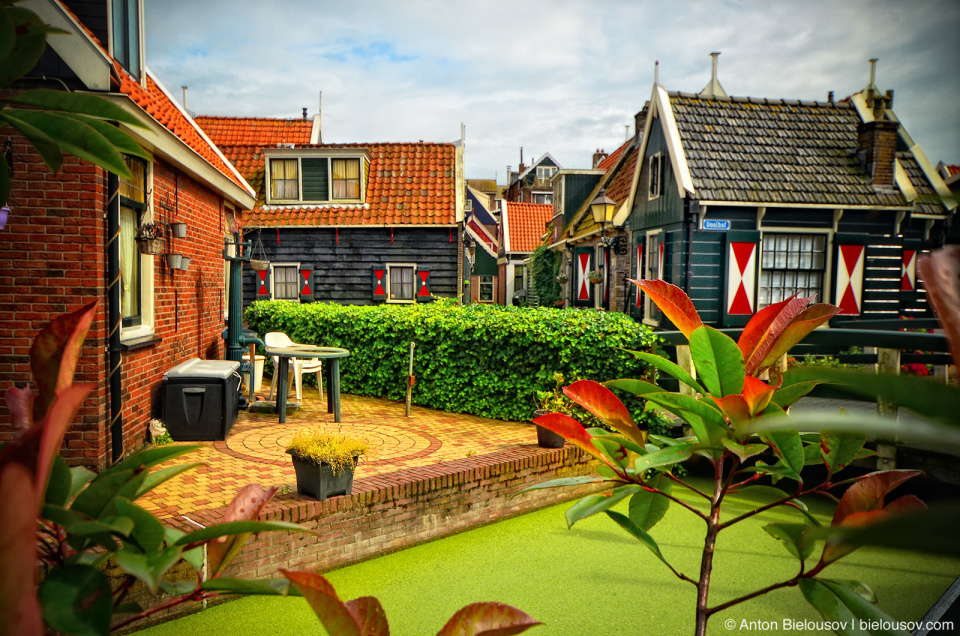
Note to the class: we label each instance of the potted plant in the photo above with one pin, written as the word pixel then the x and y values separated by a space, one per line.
pixel 550 402
pixel 595 277
pixel 325 462
pixel 562 278
pixel 150 239
pixel 178 230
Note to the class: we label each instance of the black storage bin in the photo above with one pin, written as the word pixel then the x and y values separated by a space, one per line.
pixel 200 399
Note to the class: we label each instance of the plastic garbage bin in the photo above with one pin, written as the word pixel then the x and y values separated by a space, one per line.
pixel 257 373
pixel 200 399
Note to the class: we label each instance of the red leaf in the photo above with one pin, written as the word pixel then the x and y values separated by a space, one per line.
pixel 54 354
pixel 572 431
pixel 940 271
pixel 20 403
pixel 736 410
pixel 246 506
pixel 907 503
pixel 488 619
pixel 757 394
pixel 369 615
pixel 765 327
pixel 602 402
pixel 674 304
pixel 867 494
pixel 335 616
pixel 20 498
pixel 811 318
pixel 856 519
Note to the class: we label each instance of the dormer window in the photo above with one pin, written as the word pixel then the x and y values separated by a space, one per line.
pixel 284 179
pixel 125 37
pixel 313 178
pixel 545 172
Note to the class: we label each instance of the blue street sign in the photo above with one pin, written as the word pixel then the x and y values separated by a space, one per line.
pixel 711 224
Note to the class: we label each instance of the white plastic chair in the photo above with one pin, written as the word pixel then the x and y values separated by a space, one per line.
pixel 297 366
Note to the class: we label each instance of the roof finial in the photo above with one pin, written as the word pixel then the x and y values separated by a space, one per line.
pixel 656 72
pixel 714 89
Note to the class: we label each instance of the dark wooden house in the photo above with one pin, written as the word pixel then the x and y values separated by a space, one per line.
pixel 347 223
pixel 743 202
pixel 482 238
pixel 533 183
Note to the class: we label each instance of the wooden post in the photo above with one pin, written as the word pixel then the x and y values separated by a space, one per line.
pixel 252 375
pixel 685 362
pixel 410 378
pixel 888 361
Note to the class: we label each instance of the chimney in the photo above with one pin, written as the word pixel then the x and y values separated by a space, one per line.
pixel 184 100
pixel 521 168
pixel 598 156
pixel 830 97
pixel 304 113
pixel 714 89
pixel 877 149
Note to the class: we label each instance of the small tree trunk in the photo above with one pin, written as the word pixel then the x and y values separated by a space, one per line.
pixel 709 545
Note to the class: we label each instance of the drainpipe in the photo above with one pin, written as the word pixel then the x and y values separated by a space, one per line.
pixel 235 299
pixel 114 356
pixel 693 222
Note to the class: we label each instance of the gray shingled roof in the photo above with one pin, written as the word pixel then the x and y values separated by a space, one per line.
pixel 928 201
pixel 775 151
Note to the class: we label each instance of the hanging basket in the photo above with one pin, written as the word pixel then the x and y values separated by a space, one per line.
pixel 259 265
pixel 595 277
pixel 179 230
pixel 151 246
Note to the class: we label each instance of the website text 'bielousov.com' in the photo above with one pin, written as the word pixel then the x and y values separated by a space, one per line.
pixel 807 625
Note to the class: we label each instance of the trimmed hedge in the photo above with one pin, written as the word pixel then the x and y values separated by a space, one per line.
pixel 487 360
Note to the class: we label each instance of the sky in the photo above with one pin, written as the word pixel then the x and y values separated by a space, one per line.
pixel 559 77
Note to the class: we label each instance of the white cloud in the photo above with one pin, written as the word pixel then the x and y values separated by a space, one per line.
pixel 552 76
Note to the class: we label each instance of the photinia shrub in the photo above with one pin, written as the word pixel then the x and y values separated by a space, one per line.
pixel 739 421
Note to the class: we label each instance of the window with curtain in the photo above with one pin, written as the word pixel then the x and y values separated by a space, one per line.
pixel 346 178
pixel 485 293
pixel 791 264
pixel 285 283
pixel 284 179
pixel 133 203
pixel 400 278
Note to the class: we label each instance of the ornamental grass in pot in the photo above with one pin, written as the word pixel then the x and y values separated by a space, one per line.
pixel 550 402
pixel 325 462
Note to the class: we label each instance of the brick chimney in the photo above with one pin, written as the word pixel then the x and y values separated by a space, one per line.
pixel 877 149
pixel 598 156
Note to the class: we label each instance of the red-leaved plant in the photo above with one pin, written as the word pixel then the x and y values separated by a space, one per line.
pixel 735 416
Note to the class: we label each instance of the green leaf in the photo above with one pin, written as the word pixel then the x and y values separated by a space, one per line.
pixel 80 476
pixel 811 455
pixel 743 451
pixel 77 103
pixel 27 47
pixel 592 504
pixel 148 532
pixel 76 599
pixel 619 441
pixel 45 146
pixel 177 588
pixel 565 481
pixel 793 537
pixel 634 387
pixel 648 508
pixel 933 531
pixel 678 404
pixel 839 449
pixel 776 471
pixel 7 34
pixel 852 598
pixel 151 457
pixel 644 538
pixel 719 361
pixel 75 137
pixel 830 607
pixel 236 527
pixel 789 394
pixel 128 608
pixel 662 364
pixel 150 567
pixel 788 448
pixel 58 485
pixel 667 456
pixel 120 140
pixel 262 587
pixel 157 477
pixel 100 495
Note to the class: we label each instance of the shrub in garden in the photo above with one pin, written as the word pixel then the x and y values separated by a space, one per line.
pixel 544 268
pixel 481 359
pixel 737 418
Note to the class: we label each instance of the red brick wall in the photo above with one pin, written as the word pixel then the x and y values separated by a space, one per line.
pixel 53 255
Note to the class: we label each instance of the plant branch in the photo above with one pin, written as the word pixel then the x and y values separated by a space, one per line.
pixel 773 504
pixel 196 595
pixel 676 479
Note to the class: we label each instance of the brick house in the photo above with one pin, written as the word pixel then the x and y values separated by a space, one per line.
pixel 351 223
pixel 58 247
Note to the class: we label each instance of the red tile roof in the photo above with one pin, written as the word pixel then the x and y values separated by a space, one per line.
pixel 154 100
pixel 406 183
pixel 611 159
pixel 525 225
pixel 952 169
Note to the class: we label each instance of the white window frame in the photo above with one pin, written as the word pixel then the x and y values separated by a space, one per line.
pixel 480 285
pixel 653 184
pixel 827 280
pixel 273 280
pixel 330 195
pixel 146 327
pixel 268 175
pixel 649 307
pixel 390 298
pixel 362 159
pixel 545 172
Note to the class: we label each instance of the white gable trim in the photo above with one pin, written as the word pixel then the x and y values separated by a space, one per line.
pixel 75 47
pixel 506 226
pixel 677 159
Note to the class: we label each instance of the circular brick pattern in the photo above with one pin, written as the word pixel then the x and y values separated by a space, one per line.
pixel 390 445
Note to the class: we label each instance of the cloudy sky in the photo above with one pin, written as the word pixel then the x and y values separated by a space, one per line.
pixel 558 76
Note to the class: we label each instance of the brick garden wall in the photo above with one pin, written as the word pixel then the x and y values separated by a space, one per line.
pixel 53 261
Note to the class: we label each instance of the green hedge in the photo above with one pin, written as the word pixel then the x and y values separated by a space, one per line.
pixel 486 360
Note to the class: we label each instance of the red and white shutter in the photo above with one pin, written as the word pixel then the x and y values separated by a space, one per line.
pixel 908 271
pixel 306 286
pixel 849 279
pixel 263 284
pixel 423 288
pixel 379 282
pixel 741 278
pixel 584 290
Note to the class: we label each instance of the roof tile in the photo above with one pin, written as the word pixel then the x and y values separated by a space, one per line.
pixel 526 224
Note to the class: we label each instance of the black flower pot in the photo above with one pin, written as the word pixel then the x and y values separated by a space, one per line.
pixel 545 437
pixel 319 481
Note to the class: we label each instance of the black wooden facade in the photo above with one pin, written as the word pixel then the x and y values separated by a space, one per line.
pixel 342 261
